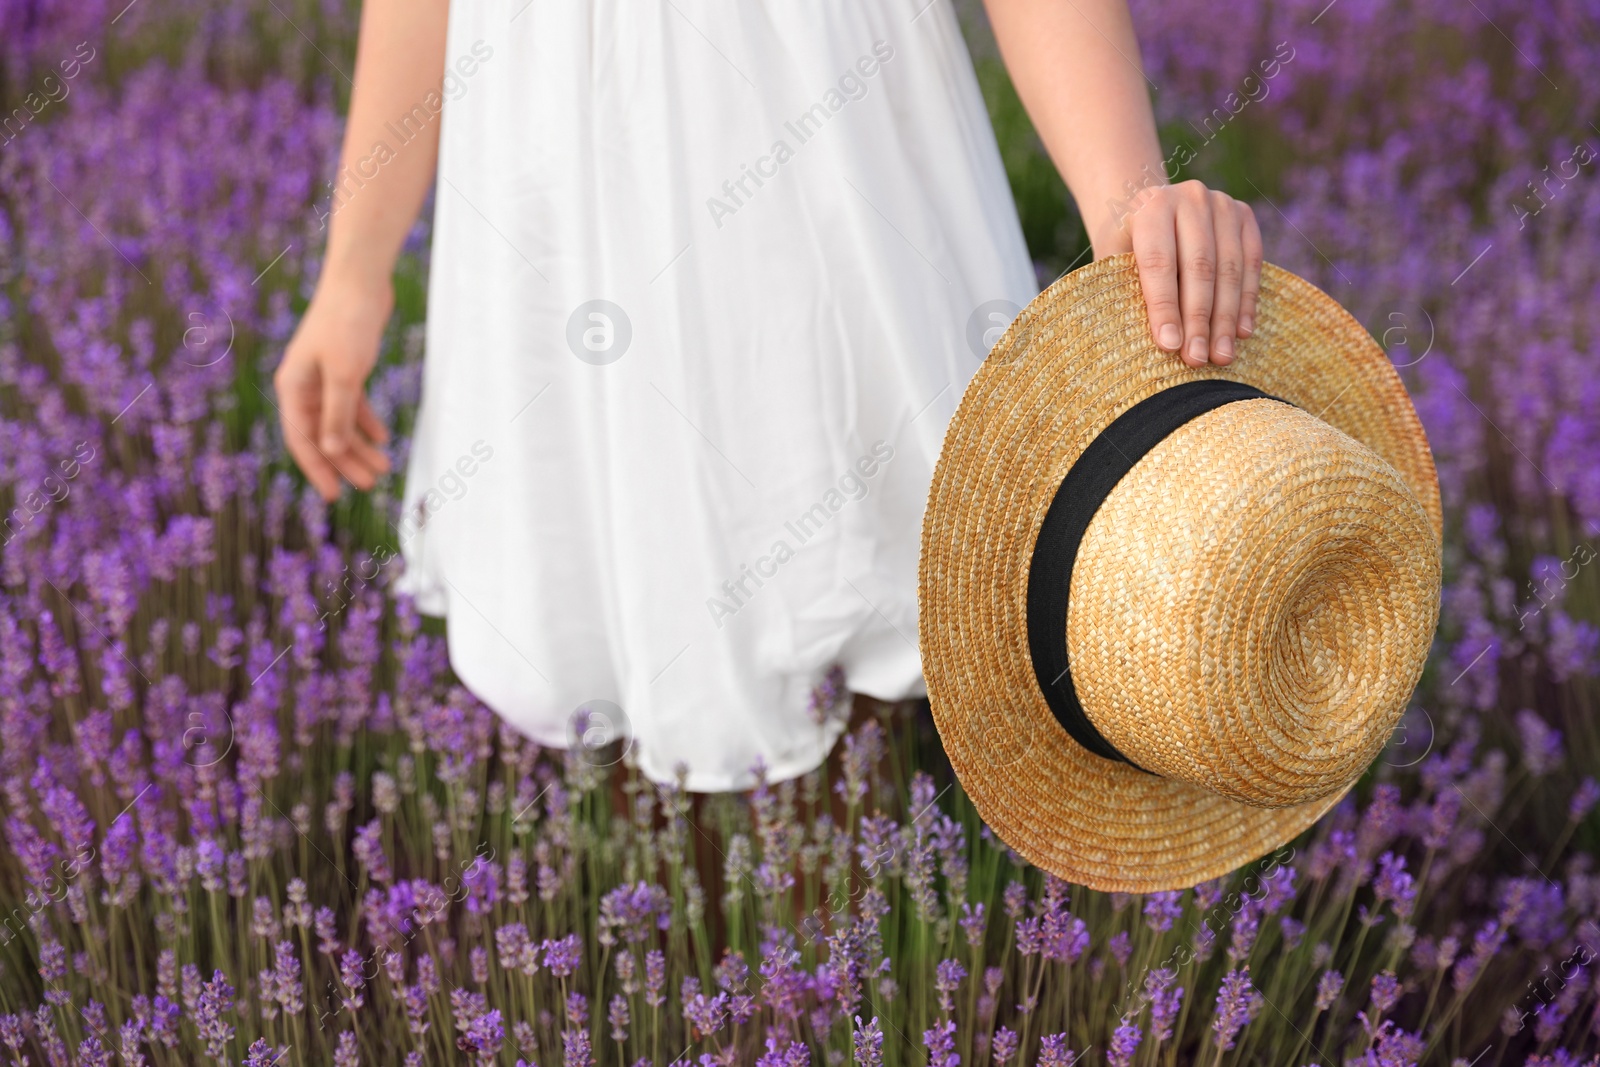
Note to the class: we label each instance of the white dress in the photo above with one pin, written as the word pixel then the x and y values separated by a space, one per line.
pixel 708 279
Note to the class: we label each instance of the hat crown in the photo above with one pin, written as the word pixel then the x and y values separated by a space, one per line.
pixel 1252 604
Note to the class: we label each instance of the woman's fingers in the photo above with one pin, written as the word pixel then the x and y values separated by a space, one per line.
pixel 328 424
pixel 363 462
pixel 1199 254
pixel 1230 277
pixel 1155 251
pixel 341 395
pixel 299 403
pixel 1197 270
pixel 367 422
pixel 313 408
pixel 349 428
pixel 1250 239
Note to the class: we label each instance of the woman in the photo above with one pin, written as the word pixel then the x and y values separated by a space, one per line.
pixel 708 278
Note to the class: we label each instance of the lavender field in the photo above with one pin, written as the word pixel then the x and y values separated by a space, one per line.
pixel 250 818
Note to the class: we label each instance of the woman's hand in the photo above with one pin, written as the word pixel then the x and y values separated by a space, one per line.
pixel 1199 256
pixel 328 426
pixel 1075 67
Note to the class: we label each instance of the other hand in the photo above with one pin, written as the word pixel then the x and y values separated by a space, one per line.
pixel 1199 256
pixel 328 425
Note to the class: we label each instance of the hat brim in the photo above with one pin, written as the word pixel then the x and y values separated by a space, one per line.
pixel 1073 360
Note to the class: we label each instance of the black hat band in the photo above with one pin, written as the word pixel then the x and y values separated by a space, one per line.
pixel 1087 484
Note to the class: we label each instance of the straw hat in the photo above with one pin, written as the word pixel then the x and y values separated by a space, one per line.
pixel 1171 660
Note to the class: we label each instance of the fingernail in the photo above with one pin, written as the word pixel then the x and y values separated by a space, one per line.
pixel 1197 349
pixel 1247 326
pixel 1224 349
pixel 1171 337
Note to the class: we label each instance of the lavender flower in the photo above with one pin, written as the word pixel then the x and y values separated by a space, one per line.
pixel 1053 1052
pixel 706 1015
pixel 261 1054
pixel 655 978
pixel 1394 884
pixel 778 1054
pixel 733 973
pixel 478 961
pixel 215 1002
pixel 867 1042
pixel 1005 1044
pixel 91 1053
pixel 1016 899
pixel 861 750
pixel 617 1016
pixel 129 1035
pixel 1121 947
pixel 633 911
pixel 516 951
pixel 626 968
pixel 941 1045
pixel 562 956
pixel 347 1054
pixel 1233 1007
pixel 1164 1001
pixel 575 1049
pixel 973 920
pixel 947 978
pixel 287 975
pixel 483 1036
pixel 1328 988
pixel 368 848
pixel 1385 993
pixel 1442 816
pixel 1161 910
pixel 1541 743
pixel 352 973
pixel 1124 1043
pixel 1584 799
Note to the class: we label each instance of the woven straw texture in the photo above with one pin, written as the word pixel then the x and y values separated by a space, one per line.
pixel 1250 609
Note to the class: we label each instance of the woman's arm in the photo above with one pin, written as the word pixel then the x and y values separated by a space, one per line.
pixel 1076 67
pixel 328 426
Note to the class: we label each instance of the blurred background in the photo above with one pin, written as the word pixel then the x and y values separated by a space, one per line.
pixel 231 759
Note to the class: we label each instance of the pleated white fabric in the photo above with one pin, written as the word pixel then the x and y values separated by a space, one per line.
pixel 706 280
